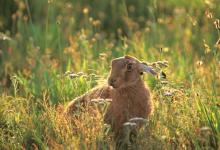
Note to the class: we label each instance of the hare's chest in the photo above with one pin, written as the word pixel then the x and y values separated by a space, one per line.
pixel 127 107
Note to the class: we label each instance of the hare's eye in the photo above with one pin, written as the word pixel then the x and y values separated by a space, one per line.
pixel 129 66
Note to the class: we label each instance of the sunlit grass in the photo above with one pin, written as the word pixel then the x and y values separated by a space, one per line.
pixel 54 51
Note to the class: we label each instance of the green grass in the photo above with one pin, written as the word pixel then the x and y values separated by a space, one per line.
pixel 49 39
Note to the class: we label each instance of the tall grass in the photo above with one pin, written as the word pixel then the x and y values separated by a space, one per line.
pixel 41 41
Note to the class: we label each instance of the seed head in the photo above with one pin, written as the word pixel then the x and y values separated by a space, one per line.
pixel 217 44
pixel 208 14
pixel 199 63
pixel 85 11
pixel 217 24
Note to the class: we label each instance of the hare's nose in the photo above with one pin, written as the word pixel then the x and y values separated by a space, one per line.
pixel 111 81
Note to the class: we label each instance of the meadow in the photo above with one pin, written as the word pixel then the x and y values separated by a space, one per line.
pixel 53 51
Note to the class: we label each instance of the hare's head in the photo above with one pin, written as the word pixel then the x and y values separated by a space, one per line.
pixel 126 71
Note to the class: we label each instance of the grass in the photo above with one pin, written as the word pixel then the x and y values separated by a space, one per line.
pixel 42 40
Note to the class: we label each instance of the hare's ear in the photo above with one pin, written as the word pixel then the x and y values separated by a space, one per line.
pixel 128 57
pixel 146 68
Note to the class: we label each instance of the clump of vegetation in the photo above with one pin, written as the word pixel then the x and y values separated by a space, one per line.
pixel 41 40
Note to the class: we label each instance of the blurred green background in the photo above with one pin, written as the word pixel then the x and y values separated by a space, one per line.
pixel 40 40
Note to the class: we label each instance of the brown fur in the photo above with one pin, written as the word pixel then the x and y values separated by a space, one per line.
pixel 130 97
pixel 127 103
pixel 100 92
